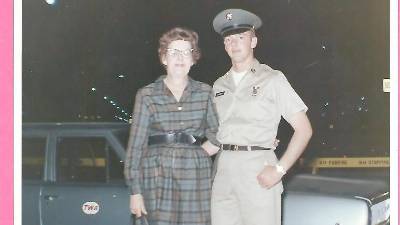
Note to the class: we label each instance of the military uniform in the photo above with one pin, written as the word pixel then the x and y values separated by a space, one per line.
pixel 249 115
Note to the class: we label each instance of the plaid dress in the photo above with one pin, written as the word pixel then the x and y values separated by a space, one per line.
pixel 174 179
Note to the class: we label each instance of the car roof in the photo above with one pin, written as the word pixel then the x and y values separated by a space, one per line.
pixel 75 126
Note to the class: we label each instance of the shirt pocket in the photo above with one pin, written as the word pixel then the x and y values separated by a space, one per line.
pixel 253 108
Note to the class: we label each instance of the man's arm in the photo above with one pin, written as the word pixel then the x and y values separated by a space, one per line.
pixel 302 134
pixel 298 142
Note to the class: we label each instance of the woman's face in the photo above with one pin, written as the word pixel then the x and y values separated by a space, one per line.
pixel 178 58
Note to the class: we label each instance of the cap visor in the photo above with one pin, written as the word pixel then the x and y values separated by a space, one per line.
pixel 235 31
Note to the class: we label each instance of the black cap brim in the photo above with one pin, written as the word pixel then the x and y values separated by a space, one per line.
pixel 235 31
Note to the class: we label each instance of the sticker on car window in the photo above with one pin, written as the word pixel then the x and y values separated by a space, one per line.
pixel 90 208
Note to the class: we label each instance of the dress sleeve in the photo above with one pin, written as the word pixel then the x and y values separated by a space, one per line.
pixel 138 139
pixel 212 121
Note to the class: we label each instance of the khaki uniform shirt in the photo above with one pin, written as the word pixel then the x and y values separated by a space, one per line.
pixel 249 113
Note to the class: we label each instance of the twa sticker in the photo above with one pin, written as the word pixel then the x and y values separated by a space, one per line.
pixel 90 208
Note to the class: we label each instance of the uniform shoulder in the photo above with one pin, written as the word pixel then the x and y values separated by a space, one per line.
pixel 272 73
pixel 221 79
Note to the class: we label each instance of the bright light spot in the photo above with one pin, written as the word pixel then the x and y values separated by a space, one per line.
pixel 327 103
pixel 112 102
pixel 93 89
pixel 330 126
pixel 359 108
pixel 105 97
pixel 51 2
pixel 117 107
pixel 362 98
pixel 121 76
pixel 323 47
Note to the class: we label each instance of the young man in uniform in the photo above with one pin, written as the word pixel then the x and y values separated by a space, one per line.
pixel 251 98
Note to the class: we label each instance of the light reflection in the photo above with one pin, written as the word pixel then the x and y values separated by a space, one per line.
pixel 51 2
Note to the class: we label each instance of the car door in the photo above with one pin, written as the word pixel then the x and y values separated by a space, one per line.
pixel 33 170
pixel 88 186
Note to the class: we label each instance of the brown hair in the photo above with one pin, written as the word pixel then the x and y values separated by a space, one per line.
pixel 179 33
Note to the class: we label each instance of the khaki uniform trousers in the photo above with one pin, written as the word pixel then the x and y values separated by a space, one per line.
pixel 237 198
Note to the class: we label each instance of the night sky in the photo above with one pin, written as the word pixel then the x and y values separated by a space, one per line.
pixel 83 60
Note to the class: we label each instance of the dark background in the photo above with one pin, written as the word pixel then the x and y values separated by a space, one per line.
pixel 335 54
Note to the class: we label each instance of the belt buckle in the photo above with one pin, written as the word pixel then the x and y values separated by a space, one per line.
pixel 192 139
pixel 235 147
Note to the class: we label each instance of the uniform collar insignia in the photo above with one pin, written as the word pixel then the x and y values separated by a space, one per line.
pixel 255 90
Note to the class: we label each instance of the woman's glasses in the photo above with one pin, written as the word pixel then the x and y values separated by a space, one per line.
pixel 176 52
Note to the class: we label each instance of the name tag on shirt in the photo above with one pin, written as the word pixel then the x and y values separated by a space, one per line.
pixel 219 93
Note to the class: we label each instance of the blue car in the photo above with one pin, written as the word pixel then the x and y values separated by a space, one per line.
pixel 73 175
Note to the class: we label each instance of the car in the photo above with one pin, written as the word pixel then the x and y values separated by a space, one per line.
pixel 318 200
pixel 73 174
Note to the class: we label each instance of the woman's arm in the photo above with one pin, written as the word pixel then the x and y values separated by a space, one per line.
pixel 211 146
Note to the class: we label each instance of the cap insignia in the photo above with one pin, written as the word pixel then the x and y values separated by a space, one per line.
pixel 228 16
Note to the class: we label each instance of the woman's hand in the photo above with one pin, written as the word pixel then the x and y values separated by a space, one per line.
pixel 137 205
pixel 210 148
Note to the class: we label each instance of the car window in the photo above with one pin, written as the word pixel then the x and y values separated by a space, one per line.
pixel 87 159
pixel 123 136
pixel 33 155
pixel 115 168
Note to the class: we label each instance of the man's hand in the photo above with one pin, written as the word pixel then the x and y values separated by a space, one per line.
pixel 269 176
pixel 137 205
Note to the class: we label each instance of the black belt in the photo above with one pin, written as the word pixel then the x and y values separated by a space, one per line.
pixel 174 138
pixel 229 147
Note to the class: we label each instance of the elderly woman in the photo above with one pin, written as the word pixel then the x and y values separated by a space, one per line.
pixel 167 167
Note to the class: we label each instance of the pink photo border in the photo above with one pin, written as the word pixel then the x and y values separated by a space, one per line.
pixel 6 113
